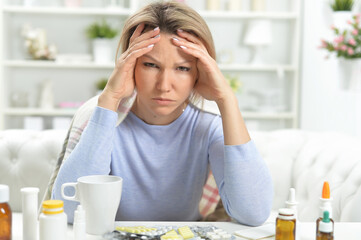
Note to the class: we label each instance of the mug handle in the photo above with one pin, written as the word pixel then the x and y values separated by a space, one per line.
pixel 71 198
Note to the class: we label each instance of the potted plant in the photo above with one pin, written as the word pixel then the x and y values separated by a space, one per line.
pixel 347 47
pixel 341 12
pixel 342 5
pixel 101 35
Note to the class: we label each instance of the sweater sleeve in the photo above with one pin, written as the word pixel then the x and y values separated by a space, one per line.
pixel 243 179
pixel 91 156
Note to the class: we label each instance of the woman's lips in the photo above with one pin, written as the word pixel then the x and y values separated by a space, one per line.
pixel 162 101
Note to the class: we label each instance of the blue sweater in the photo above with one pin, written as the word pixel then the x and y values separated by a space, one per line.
pixel 164 167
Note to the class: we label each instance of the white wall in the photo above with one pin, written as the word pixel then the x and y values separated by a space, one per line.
pixel 324 106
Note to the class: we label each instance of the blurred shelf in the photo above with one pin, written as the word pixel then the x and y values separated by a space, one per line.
pixel 268 116
pixel 111 11
pixel 39 112
pixel 92 65
pixel 248 15
pixel 54 64
pixel 251 67
pixel 68 11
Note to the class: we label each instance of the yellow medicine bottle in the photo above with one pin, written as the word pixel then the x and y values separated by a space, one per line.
pixel 5 213
pixel 286 224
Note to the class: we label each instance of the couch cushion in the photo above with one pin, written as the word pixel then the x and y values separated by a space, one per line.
pixel 279 149
pixel 27 160
pixel 331 157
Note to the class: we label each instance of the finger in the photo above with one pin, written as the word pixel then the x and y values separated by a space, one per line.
pixel 195 51
pixel 144 43
pixel 149 34
pixel 186 44
pixel 190 37
pixel 139 45
pixel 132 57
pixel 137 32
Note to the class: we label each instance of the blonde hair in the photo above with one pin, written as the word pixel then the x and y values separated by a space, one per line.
pixel 169 16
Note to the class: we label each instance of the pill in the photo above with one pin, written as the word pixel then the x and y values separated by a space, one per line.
pixel 186 232
pixel 226 237
pixel 215 237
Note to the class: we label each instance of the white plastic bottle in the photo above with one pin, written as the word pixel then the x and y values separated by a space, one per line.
pixel 79 227
pixel 53 221
pixel 29 197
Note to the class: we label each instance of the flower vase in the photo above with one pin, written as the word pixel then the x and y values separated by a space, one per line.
pixel 350 74
pixel 340 19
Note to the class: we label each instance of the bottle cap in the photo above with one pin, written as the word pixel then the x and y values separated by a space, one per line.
pixel 79 214
pixel 326 200
pixel 291 198
pixel 325 225
pixel 29 190
pixel 326 190
pixel 4 193
pixel 53 206
pixel 286 211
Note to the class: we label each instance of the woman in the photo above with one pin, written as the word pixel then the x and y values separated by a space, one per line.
pixel 165 146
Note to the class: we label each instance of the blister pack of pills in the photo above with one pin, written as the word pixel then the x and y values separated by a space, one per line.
pixel 169 233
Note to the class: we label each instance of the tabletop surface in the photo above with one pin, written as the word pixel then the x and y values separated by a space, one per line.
pixel 305 230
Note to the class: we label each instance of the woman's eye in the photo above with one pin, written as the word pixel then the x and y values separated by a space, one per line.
pixel 184 69
pixel 152 65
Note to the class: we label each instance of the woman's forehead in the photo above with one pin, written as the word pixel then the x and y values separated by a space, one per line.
pixel 166 51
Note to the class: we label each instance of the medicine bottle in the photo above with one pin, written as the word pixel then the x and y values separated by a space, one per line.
pixel 325 228
pixel 325 205
pixel 5 213
pixel 53 221
pixel 286 224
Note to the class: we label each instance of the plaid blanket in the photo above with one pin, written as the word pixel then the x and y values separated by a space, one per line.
pixel 210 197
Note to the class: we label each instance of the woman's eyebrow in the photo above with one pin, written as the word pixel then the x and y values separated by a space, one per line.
pixel 155 60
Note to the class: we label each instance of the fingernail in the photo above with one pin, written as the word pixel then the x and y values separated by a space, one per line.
pixel 157 36
pixel 155 29
pixel 151 45
pixel 179 30
pixel 176 39
pixel 183 47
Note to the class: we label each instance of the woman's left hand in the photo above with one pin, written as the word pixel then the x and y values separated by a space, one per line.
pixel 211 83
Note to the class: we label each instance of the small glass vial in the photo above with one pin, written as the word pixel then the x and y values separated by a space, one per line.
pixel 53 221
pixel 5 213
pixel 325 228
pixel 286 224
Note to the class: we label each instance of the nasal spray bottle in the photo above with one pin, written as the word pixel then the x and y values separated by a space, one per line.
pixel 325 205
pixel 291 203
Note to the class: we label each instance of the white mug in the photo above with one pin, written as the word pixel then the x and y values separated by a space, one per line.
pixel 100 197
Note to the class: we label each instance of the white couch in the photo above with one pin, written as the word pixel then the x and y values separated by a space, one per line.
pixel 296 158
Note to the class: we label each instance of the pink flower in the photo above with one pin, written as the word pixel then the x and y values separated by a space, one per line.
pixel 350 51
pixel 343 47
pixel 339 39
pixel 349 22
pixel 354 32
pixel 333 27
pixel 323 44
pixel 352 42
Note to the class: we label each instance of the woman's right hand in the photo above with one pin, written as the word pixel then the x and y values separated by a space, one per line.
pixel 121 83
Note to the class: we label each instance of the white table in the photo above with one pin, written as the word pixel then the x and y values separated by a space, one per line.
pixel 306 231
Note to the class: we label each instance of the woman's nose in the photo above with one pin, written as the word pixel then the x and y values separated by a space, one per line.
pixel 164 83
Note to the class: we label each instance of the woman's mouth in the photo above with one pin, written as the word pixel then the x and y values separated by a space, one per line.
pixel 162 101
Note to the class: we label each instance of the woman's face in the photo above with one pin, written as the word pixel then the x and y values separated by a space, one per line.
pixel 164 79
